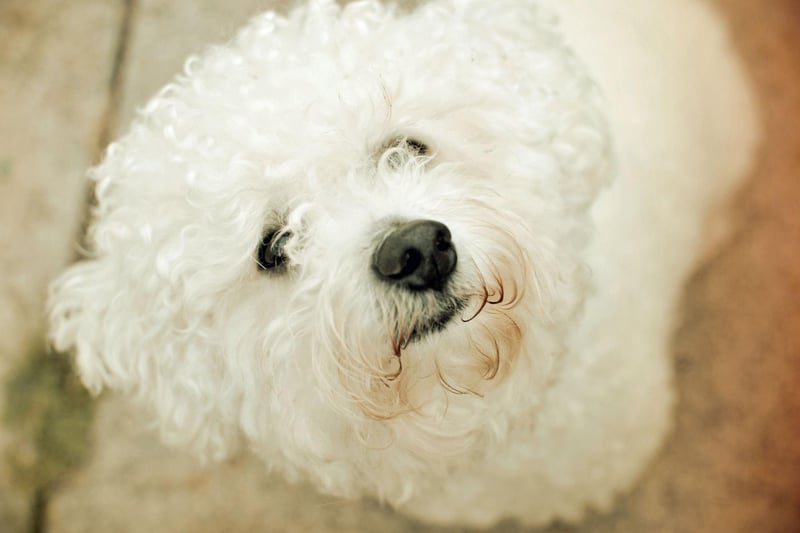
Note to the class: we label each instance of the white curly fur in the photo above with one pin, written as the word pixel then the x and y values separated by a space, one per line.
pixel 552 390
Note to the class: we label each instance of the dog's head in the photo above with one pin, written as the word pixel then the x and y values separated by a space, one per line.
pixel 343 219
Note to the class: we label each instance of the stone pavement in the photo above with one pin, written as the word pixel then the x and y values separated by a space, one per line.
pixel 71 76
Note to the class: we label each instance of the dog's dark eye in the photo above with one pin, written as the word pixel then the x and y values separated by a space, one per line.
pixel 271 255
pixel 417 147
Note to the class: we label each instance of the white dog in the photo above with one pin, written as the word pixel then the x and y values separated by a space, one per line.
pixel 429 257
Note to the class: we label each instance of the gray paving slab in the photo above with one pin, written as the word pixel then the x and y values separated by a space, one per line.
pixel 732 464
pixel 54 64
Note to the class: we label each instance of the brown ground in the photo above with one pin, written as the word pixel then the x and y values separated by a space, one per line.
pixel 72 72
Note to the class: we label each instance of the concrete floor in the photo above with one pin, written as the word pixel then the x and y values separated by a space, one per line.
pixel 71 75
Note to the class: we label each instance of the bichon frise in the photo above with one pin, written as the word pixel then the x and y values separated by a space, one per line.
pixel 429 257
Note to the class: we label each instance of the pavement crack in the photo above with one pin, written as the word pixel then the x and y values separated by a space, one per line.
pixel 116 81
pixel 38 512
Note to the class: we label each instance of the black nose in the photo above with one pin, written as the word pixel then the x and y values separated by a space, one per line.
pixel 418 255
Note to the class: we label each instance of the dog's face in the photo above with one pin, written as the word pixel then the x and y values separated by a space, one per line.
pixel 340 222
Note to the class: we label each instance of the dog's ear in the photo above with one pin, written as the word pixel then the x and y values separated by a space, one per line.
pixel 130 333
pixel 82 306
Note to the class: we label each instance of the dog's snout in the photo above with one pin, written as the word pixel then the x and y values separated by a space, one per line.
pixel 418 255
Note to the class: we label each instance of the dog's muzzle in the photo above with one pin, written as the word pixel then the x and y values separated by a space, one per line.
pixel 417 256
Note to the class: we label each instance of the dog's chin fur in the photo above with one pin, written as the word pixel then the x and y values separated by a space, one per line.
pixel 535 382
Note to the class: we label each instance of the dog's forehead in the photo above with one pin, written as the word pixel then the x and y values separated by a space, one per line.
pixel 322 84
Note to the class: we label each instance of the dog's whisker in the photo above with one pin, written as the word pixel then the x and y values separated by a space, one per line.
pixel 498 282
pixel 446 384
pixel 493 361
